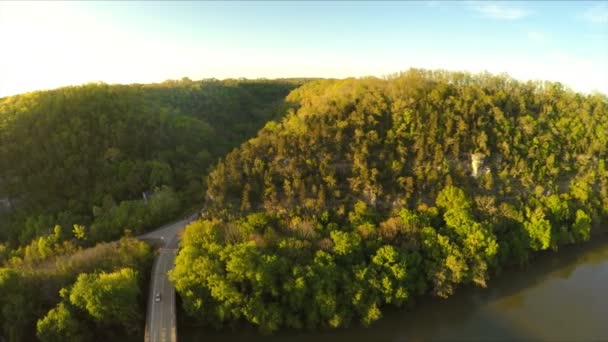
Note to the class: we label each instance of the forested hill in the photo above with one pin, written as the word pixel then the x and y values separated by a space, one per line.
pixel 397 142
pixel 84 154
pixel 375 190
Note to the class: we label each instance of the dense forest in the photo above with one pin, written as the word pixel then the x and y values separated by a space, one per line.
pixel 93 292
pixel 372 192
pixel 74 163
pixel 80 154
pixel 355 195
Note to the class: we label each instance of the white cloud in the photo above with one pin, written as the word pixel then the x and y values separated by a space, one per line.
pixel 498 10
pixel 597 14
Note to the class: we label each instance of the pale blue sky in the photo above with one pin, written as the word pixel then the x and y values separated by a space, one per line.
pixel 46 45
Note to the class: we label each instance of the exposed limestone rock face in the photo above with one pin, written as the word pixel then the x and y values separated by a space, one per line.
pixel 476 163
pixel 5 205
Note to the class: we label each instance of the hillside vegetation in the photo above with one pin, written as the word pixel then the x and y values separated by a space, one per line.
pixel 372 192
pixel 84 155
pixel 95 293
pixel 73 165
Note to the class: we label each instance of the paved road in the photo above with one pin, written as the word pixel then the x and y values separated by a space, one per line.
pixel 167 235
pixel 160 318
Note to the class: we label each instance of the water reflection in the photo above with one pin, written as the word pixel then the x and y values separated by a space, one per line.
pixel 559 297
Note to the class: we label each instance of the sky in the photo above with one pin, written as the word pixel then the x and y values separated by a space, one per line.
pixel 51 44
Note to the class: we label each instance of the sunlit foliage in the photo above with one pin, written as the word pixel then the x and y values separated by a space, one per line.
pixel 373 191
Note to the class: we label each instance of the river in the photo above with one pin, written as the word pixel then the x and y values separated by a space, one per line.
pixel 558 297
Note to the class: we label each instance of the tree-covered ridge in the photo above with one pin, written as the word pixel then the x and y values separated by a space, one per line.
pixel 71 155
pixel 63 292
pixel 399 141
pixel 373 191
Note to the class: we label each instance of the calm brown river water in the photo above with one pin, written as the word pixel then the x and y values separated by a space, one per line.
pixel 559 297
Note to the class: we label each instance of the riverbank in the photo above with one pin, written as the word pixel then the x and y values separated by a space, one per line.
pixel 543 300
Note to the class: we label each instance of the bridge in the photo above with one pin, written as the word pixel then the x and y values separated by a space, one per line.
pixel 161 323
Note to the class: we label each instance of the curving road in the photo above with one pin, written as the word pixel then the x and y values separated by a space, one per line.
pixel 161 318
